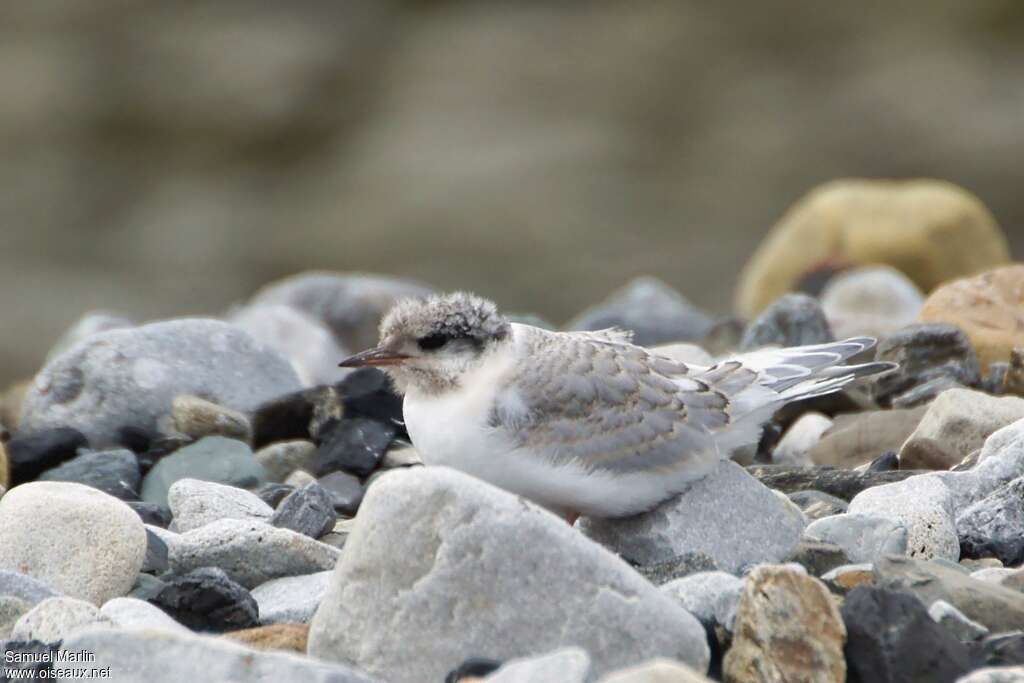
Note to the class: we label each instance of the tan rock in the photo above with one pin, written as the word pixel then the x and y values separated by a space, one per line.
pixel 930 230
pixel 927 454
pixel 10 404
pixel 198 417
pixel 787 629
pixel 989 307
pixel 857 438
pixel 959 420
pixel 275 637
pixel 5 468
pixel 656 671
pixel 844 579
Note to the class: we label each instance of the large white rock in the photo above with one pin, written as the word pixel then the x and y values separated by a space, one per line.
pixel 961 419
pixel 77 539
pixel 441 567
pixel 196 503
pixel 129 377
pixel 925 506
pixel 728 515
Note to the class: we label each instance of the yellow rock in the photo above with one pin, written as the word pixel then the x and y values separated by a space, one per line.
pixel 5 468
pixel 930 230
pixel 988 307
pixel 275 637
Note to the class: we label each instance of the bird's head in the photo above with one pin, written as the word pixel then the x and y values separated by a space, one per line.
pixel 429 344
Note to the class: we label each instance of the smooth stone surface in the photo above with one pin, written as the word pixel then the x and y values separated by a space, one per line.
pixel 996 607
pixel 282 458
pixel 291 599
pixel 354 445
pixel 207 600
pixel 130 377
pixel 863 538
pixel 818 504
pixel 441 566
pixel 214 458
pixel 197 417
pixel 960 420
pixel 164 657
pixel 293 637
pixel 956 622
pixel 798 441
pixel 892 638
pixel 567 665
pixel 250 552
pixel 308 510
pixel 787 629
pixel 656 671
pixel 54 619
pixel 132 613
pixel 52 531
pixel 712 597
pixel 791 320
pixel 153 514
pixel 728 515
pixel 858 438
pixel 196 503
pixel 924 353
pixel 345 490
pixel 29 455
pixel 311 347
pixel 653 311
pixel 115 472
pixel 994 526
pixel 873 300
pixel 924 506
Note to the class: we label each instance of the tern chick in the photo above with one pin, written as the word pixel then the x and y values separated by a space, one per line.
pixel 583 422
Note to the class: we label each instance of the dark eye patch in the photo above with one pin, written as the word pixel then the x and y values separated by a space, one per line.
pixel 432 341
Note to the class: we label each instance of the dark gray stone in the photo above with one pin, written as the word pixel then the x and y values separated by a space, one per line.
pixel 156 554
pixel 994 526
pixel 354 445
pixel 32 453
pixel 843 484
pixel 924 353
pixel 346 492
pixel 151 513
pixel 817 557
pixel 272 494
pixel 207 600
pixel 308 510
pixel 792 320
pixel 214 459
pixel 115 472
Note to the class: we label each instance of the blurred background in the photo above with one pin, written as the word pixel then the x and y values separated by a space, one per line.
pixel 161 159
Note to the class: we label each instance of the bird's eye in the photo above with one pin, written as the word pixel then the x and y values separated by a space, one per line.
pixel 432 341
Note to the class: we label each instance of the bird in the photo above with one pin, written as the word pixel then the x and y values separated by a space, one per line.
pixel 583 423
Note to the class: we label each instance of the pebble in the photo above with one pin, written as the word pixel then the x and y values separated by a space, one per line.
pixel 345 490
pixel 787 628
pixel 713 597
pixel 153 514
pixel 567 665
pixel 653 311
pixel 196 503
pixel 818 557
pixel 308 510
pixel 728 515
pixel 551 586
pixel 132 613
pixel 351 305
pixel 214 459
pixel 842 580
pixel 369 393
pixel 872 301
pixel 919 226
pixel 251 552
pixel 791 320
pixel 29 455
pixel 656 671
pixel 961 419
pixel 862 537
pixel 954 621
pixel 994 526
pixel 997 608
pixel 925 506
pixel 288 417
pixel 115 472
pixel 798 441
pixel 156 553
pixel 131 376
pixel 56 618
pixel 987 306
pixel 924 353
pixel 197 417
pixel 207 599
pixel 282 458
pixel 174 657
pixel 272 494
pixel 301 338
pixel 287 637
pixel 354 445
pixel 660 573
pixel 291 599
pixel 858 438
pixel 818 504
pixel 52 531
pixel 891 637
pixel 300 478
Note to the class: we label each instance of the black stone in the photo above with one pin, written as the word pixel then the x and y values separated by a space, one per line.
pixel 345 490
pixel 289 417
pixel 308 510
pixel 115 472
pixel 32 454
pixel 891 639
pixel 474 667
pixel 15 670
pixel 207 600
pixel 925 353
pixel 272 494
pixel 886 462
pixel 355 446
pixel 368 393
pixel 817 557
pixel 136 439
pixel 791 320
pixel 151 513
pixel 677 567
pixel 844 484
pixel 156 554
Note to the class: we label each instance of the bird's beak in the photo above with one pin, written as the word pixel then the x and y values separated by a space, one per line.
pixel 373 357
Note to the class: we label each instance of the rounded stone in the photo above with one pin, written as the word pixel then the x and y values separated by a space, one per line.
pixel 56 618
pixel 874 301
pixel 81 541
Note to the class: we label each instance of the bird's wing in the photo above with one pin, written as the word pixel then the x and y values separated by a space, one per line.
pixel 604 404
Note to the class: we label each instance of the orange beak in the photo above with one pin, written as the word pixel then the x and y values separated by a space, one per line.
pixel 373 357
